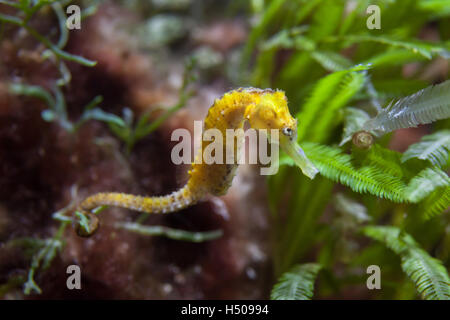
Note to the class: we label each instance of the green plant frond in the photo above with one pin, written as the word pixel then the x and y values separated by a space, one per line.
pixel 268 16
pixel 329 95
pixel 41 261
pixel 392 58
pixel 388 161
pixel 305 10
pixel 352 20
pixel 331 61
pixel 261 75
pixel 351 208
pixel 330 11
pixel 381 173
pixel 393 88
pixel 304 210
pixel 353 121
pixel 337 166
pixel 427 181
pixel 436 203
pixel 289 39
pixel 434 148
pixel 436 8
pixel 425 106
pixel 297 283
pixel 428 274
pixel 323 91
pixel 425 49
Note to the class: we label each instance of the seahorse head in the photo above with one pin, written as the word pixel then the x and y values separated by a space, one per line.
pixel 271 111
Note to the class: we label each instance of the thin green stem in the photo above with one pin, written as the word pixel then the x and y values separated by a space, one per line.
pixel 170 233
pixel 11 19
pixel 55 49
pixel 64 34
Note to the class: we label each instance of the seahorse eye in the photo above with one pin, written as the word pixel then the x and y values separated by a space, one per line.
pixel 287 131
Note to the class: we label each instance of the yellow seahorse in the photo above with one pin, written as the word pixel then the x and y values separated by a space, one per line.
pixel 263 109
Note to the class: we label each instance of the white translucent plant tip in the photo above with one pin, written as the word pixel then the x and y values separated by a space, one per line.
pixel 297 154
